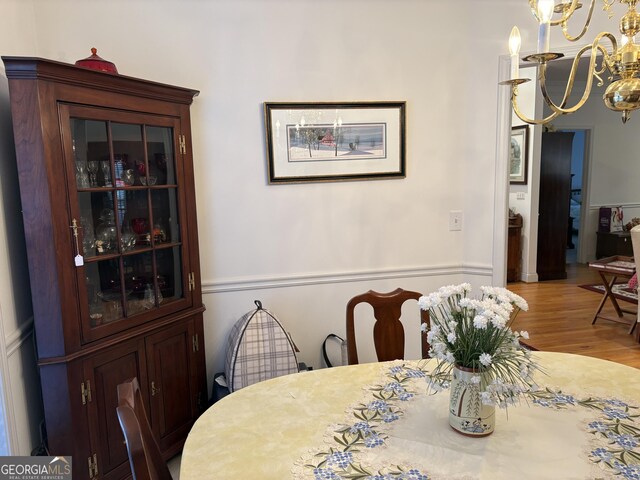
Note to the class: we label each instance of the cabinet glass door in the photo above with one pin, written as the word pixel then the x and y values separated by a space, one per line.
pixel 126 205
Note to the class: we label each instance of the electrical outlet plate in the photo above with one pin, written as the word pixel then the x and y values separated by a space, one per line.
pixel 455 220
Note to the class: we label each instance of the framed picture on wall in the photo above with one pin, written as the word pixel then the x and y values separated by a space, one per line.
pixel 327 142
pixel 519 157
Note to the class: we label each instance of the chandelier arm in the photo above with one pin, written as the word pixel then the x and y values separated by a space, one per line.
pixel 608 60
pixel 533 5
pixel 560 108
pixel 522 116
pixel 566 14
pixel 595 48
pixel 565 28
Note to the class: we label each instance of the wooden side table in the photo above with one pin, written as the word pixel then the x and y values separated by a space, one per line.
pixel 514 248
pixel 610 269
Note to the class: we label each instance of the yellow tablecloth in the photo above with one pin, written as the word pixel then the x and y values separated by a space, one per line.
pixel 283 428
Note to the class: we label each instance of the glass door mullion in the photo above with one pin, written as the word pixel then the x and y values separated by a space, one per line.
pixel 154 268
pixel 109 174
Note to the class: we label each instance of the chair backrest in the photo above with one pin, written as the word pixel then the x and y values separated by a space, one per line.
pixel 144 454
pixel 388 332
pixel 635 243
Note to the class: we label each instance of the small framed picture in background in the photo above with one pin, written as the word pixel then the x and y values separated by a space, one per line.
pixel 519 157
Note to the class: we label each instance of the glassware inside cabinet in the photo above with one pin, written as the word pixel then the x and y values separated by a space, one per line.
pixel 88 237
pixel 107 232
pixel 97 222
pixel 86 132
pixel 133 212
pixel 160 156
pixel 128 238
pixel 82 177
pixel 138 273
pixel 87 225
pixel 128 177
pixel 92 168
pixel 104 291
pixel 169 274
pixel 105 169
pixel 128 153
pixel 165 214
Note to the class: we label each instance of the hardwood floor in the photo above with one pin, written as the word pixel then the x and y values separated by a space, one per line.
pixel 560 315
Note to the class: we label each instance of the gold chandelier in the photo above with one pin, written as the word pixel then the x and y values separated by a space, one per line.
pixel 619 62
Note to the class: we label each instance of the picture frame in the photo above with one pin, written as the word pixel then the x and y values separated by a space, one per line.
pixel 519 155
pixel 327 142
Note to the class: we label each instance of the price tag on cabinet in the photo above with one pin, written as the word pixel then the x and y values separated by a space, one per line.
pixel 79 260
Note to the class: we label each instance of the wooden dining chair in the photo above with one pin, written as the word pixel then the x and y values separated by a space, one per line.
pixel 144 454
pixel 388 332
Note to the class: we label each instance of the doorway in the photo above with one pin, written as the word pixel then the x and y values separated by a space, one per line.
pixel 578 183
pixel 580 206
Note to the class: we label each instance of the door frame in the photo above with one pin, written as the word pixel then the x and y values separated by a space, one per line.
pixel 501 199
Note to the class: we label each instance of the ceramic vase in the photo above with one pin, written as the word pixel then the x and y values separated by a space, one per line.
pixel 467 414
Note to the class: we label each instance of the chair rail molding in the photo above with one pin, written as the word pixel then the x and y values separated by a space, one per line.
pixel 623 205
pixel 258 283
pixel 15 339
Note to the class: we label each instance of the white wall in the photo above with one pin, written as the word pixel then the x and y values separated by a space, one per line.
pixel 20 400
pixel 304 250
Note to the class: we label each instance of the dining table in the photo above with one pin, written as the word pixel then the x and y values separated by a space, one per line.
pixel 380 421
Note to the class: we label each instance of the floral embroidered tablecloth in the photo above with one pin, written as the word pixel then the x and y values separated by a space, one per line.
pixel 376 421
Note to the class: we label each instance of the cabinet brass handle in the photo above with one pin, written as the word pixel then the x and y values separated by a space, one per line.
pixel 154 390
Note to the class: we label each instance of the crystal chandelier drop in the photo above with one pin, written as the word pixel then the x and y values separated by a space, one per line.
pixel 618 62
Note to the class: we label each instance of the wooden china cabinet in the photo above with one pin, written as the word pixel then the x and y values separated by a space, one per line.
pixel 107 188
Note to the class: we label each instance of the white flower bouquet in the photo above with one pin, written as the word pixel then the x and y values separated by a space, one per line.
pixel 475 334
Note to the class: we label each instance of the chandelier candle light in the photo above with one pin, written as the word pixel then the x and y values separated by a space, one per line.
pixel 618 61
pixel 478 355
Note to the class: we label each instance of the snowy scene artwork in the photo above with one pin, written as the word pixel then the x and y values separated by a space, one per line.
pixel 519 157
pixel 335 142
pixel 313 142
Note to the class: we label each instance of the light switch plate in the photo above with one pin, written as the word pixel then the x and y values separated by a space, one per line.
pixel 455 220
